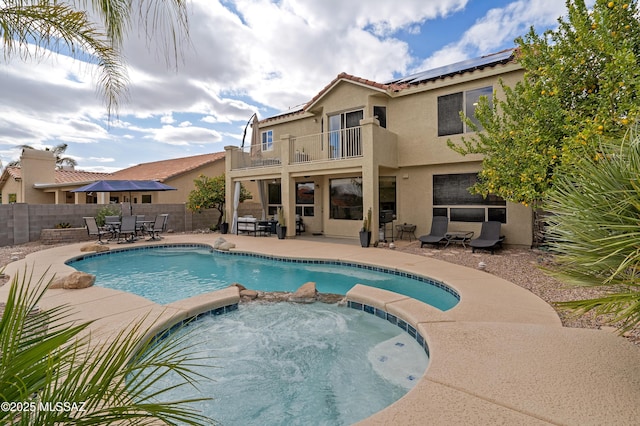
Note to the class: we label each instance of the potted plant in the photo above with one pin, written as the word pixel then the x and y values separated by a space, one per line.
pixel 365 231
pixel 281 227
pixel 224 225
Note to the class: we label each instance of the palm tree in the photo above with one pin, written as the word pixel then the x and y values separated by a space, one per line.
pixel 48 359
pixel 594 231
pixel 34 27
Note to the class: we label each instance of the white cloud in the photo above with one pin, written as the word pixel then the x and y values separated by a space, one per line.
pixel 182 136
pixel 498 27
pixel 167 119
pixel 244 56
pixel 102 159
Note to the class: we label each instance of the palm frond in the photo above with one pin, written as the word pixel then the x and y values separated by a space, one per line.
pixel 595 229
pixel 48 358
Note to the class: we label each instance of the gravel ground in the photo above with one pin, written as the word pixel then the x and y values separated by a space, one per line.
pixel 520 266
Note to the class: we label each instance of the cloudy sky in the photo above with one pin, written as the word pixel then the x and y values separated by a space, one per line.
pixel 244 56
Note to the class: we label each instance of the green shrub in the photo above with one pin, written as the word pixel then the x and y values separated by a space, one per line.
pixel 106 211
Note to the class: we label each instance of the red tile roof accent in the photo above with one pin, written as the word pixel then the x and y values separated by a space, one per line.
pixel 341 77
pixel 14 172
pixel 165 169
pixel 349 77
pixel 75 176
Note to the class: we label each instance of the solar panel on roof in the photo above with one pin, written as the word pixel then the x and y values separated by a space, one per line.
pixel 458 67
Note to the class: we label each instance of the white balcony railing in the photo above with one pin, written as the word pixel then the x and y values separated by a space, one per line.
pixel 258 156
pixel 337 145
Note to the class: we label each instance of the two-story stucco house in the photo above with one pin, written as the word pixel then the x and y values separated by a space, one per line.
pixel 360 144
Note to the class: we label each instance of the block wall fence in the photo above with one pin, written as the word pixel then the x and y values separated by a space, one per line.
pixel 22 223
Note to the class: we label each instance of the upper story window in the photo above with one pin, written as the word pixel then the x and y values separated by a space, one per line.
pixel 380 112
pixel 267 140
pixel 450 106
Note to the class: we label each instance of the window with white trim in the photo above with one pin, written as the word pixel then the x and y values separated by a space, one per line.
pixel 267 140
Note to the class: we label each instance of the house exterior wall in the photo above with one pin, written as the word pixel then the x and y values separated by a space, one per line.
pixel 409 149
pixel 11 186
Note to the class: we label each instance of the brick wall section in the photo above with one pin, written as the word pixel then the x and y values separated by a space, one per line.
pixel 21 223
pixel 63 236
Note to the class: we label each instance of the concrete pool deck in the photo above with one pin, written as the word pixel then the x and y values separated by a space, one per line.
pixel 500 356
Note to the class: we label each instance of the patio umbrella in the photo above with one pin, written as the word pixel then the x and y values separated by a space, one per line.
pixel 125 186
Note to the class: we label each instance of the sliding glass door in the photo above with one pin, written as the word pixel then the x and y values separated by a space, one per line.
pixel 344 134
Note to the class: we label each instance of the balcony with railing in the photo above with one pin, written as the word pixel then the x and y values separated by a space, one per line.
pixel 335 146
pixel 331 146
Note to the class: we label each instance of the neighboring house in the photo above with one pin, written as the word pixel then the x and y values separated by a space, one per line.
pixel 37 181
pixel 359 144
pixel 178 173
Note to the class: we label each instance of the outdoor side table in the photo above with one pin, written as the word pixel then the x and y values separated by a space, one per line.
pixel 407 228
pixel 458 238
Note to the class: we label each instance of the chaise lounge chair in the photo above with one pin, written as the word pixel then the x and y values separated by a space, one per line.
pixel 439 226
pixel 94 230
pixel 489 238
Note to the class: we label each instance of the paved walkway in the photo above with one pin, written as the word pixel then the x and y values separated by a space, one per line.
pixel 500 356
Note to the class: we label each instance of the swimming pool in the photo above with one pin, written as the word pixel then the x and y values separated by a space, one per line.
pixel 165 274
pixel 291 364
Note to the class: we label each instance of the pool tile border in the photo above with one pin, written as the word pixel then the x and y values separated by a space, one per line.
pixel 374 268
pixel 380 313
pixel 148 247
pixel 396 272
pixel 166 332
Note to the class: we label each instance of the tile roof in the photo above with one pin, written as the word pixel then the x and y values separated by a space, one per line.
pixel 165 169
pixel 63 176
pixel 77 176
pixel 13 171
pixel 157 170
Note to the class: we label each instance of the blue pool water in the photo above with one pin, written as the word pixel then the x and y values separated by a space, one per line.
pixel 289 364
pixel 170 273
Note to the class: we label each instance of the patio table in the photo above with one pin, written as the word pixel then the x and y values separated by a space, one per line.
pixel 458 238
pixel 406 228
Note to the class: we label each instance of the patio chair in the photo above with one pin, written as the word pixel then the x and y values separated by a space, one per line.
pixel 111 224
pixel 489 238
pixel 439 226
pixel 127 231
pixel 166 221
pixel 94 230
pixel 157 227
pixel 140 225
pixel 299 225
